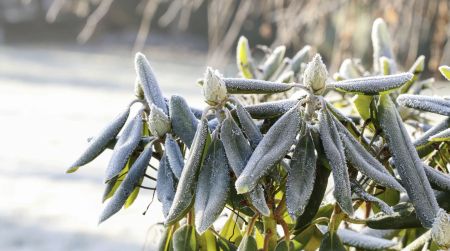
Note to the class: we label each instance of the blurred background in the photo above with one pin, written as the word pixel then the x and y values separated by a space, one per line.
pixel 66 69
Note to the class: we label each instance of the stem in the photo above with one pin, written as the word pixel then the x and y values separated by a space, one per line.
pixel 336 219
pixel 190 218
pixel 270 232
pixel 251 224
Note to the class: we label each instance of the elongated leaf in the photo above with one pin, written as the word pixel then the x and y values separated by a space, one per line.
pixel 184 123
pixel 331 242
pixel 212 187
pixel 270 109
pixel 149 84
pixel 288 245
pixel 185 239
pixel 441 136
pixel 334 151
pixel 132 179
pixel 208 241
pixel 99 143
pixel 372 85
pixel 381 42
pixel 273 62
pixel 407 162
pixel 238 152
pixel 231 230
pixel 165 185
pixel 300 57
pixel 248 243
pixel 187 184
pixel 364 162
pixel 416 69
pixel 425 103
pixel 437 179
pixel 301 176
pixel 174 155
pixel 422 143
pixel 359 191
pixel 165 242
pixel 272 148
pixel 249 86
pixel 244 58
pixel 127 143
pixel 445 71
pixel 249 127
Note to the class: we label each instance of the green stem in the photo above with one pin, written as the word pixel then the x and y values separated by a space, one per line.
pixel 270 232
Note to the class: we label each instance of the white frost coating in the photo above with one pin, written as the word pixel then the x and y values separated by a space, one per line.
pixel 187 182
pixel 440 232
pixel 272 148
pixel 165 185
pixel 249 86
pixel 212 187
pixel 423 140
pixel 300 57
pixel 364 162
pixel 273 62
pixel 238 152
pixel 184 123
pixel 301 176
pixel 348 69
pixel 270 109
pixel 437 178
pixel 407 162
pixel 127 143
pixel 441 136
pixel 214 89
pixel 99 143
pixel 249 127
pixel 315 75
pixel 174 155
pixel 334 151
pixel 158 122
pixel 372 85
pixel 425 103
pixel 381 42
pixel 149 84
pixel 359 191
pixel 127 186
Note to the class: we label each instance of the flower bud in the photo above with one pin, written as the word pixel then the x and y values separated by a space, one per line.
pixel 441 229
pixel 158 122
pixel 214 88
pixel 315 75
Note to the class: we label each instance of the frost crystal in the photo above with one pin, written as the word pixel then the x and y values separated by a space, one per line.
pixel 425 103
pixel 441 229
pixel 214 88
pixel 315 75
pixel 158 122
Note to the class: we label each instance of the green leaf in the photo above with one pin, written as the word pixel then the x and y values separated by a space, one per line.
pixel 248 243
pixel 185 239
pixel 331 242
pixel 133 195
pixel 291 245
pixel 165 243
pixel 416 69
pixel 362 105
pixel 208 241
pixel 445 71
pixel 244 58
pixel 231 230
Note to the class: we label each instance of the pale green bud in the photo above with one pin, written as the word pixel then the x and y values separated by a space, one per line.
pixel 315 75
pixel 440 232
pixel 214 88
pixel 158 122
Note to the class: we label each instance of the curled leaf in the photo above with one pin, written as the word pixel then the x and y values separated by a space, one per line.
pixel 437 179
pixel 425 103
pixel 441 136
pixel 174 156
pixel 184 123
pixel 249 86
pixel 372 85
pixel 270 109
pixel 165 185
pixel 359 191
pixel 272 148
pixel 300 57
pixel 249 127
pixel 381 42
pixel 185 239
pixel 248 243
pixel 244 58
pixel 416 69
pixel 273 62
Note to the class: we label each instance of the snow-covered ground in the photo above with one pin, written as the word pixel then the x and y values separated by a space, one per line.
pixel 51 100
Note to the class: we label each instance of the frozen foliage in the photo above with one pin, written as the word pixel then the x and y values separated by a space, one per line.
pixel 246 86
pixel 334 152
pixel 381 42
pixel 248 126
pixel 273 62
pixel 441 229
pixel 422 140
pixel 441 136
pixel 212 188
pixel 184 123
pixel 149 84
pixel 158 122
pixel 407 162
pixel 348 69
pixel 128 141
pixel 99 143
pixel 301 175
pixel 300 57
pixel 272 148
pixel 174 155
pixel 359 191
pixel 372 85
pixel 270 109
pixel 214 89
pixel 135 174
pixel 187 183
pixel 425 103
pixel 315 75
pixel 437 179
pixel 165 185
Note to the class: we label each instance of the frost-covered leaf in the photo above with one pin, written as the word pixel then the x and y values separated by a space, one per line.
pixel 286 77
pixel 249 127
pixel 301 175
pixel 127 143
pixel 441 229
pixel 270 109
pixel 422 143
pixel 132 179
pixel 99 143
pixel 185 239
pixel 441 136
pixel 174 155
pixel 445 71
pixel 244 58
pixel 254 86
pixel 212 187
pixel 348 69
pixel 334 151
pixel 425 103
pixel 315 75
pixel 416 69
pixel 149 84
pixel 381 42
pixel 407 162
pixel 372 85
pixel 238 152
pixel 364 162
pixel 300 57
pixel 184 123
pixel 187 184
pixel 272 148
pixel 359 191
pixel 165 184
pixel 273 62
pixel 437 178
